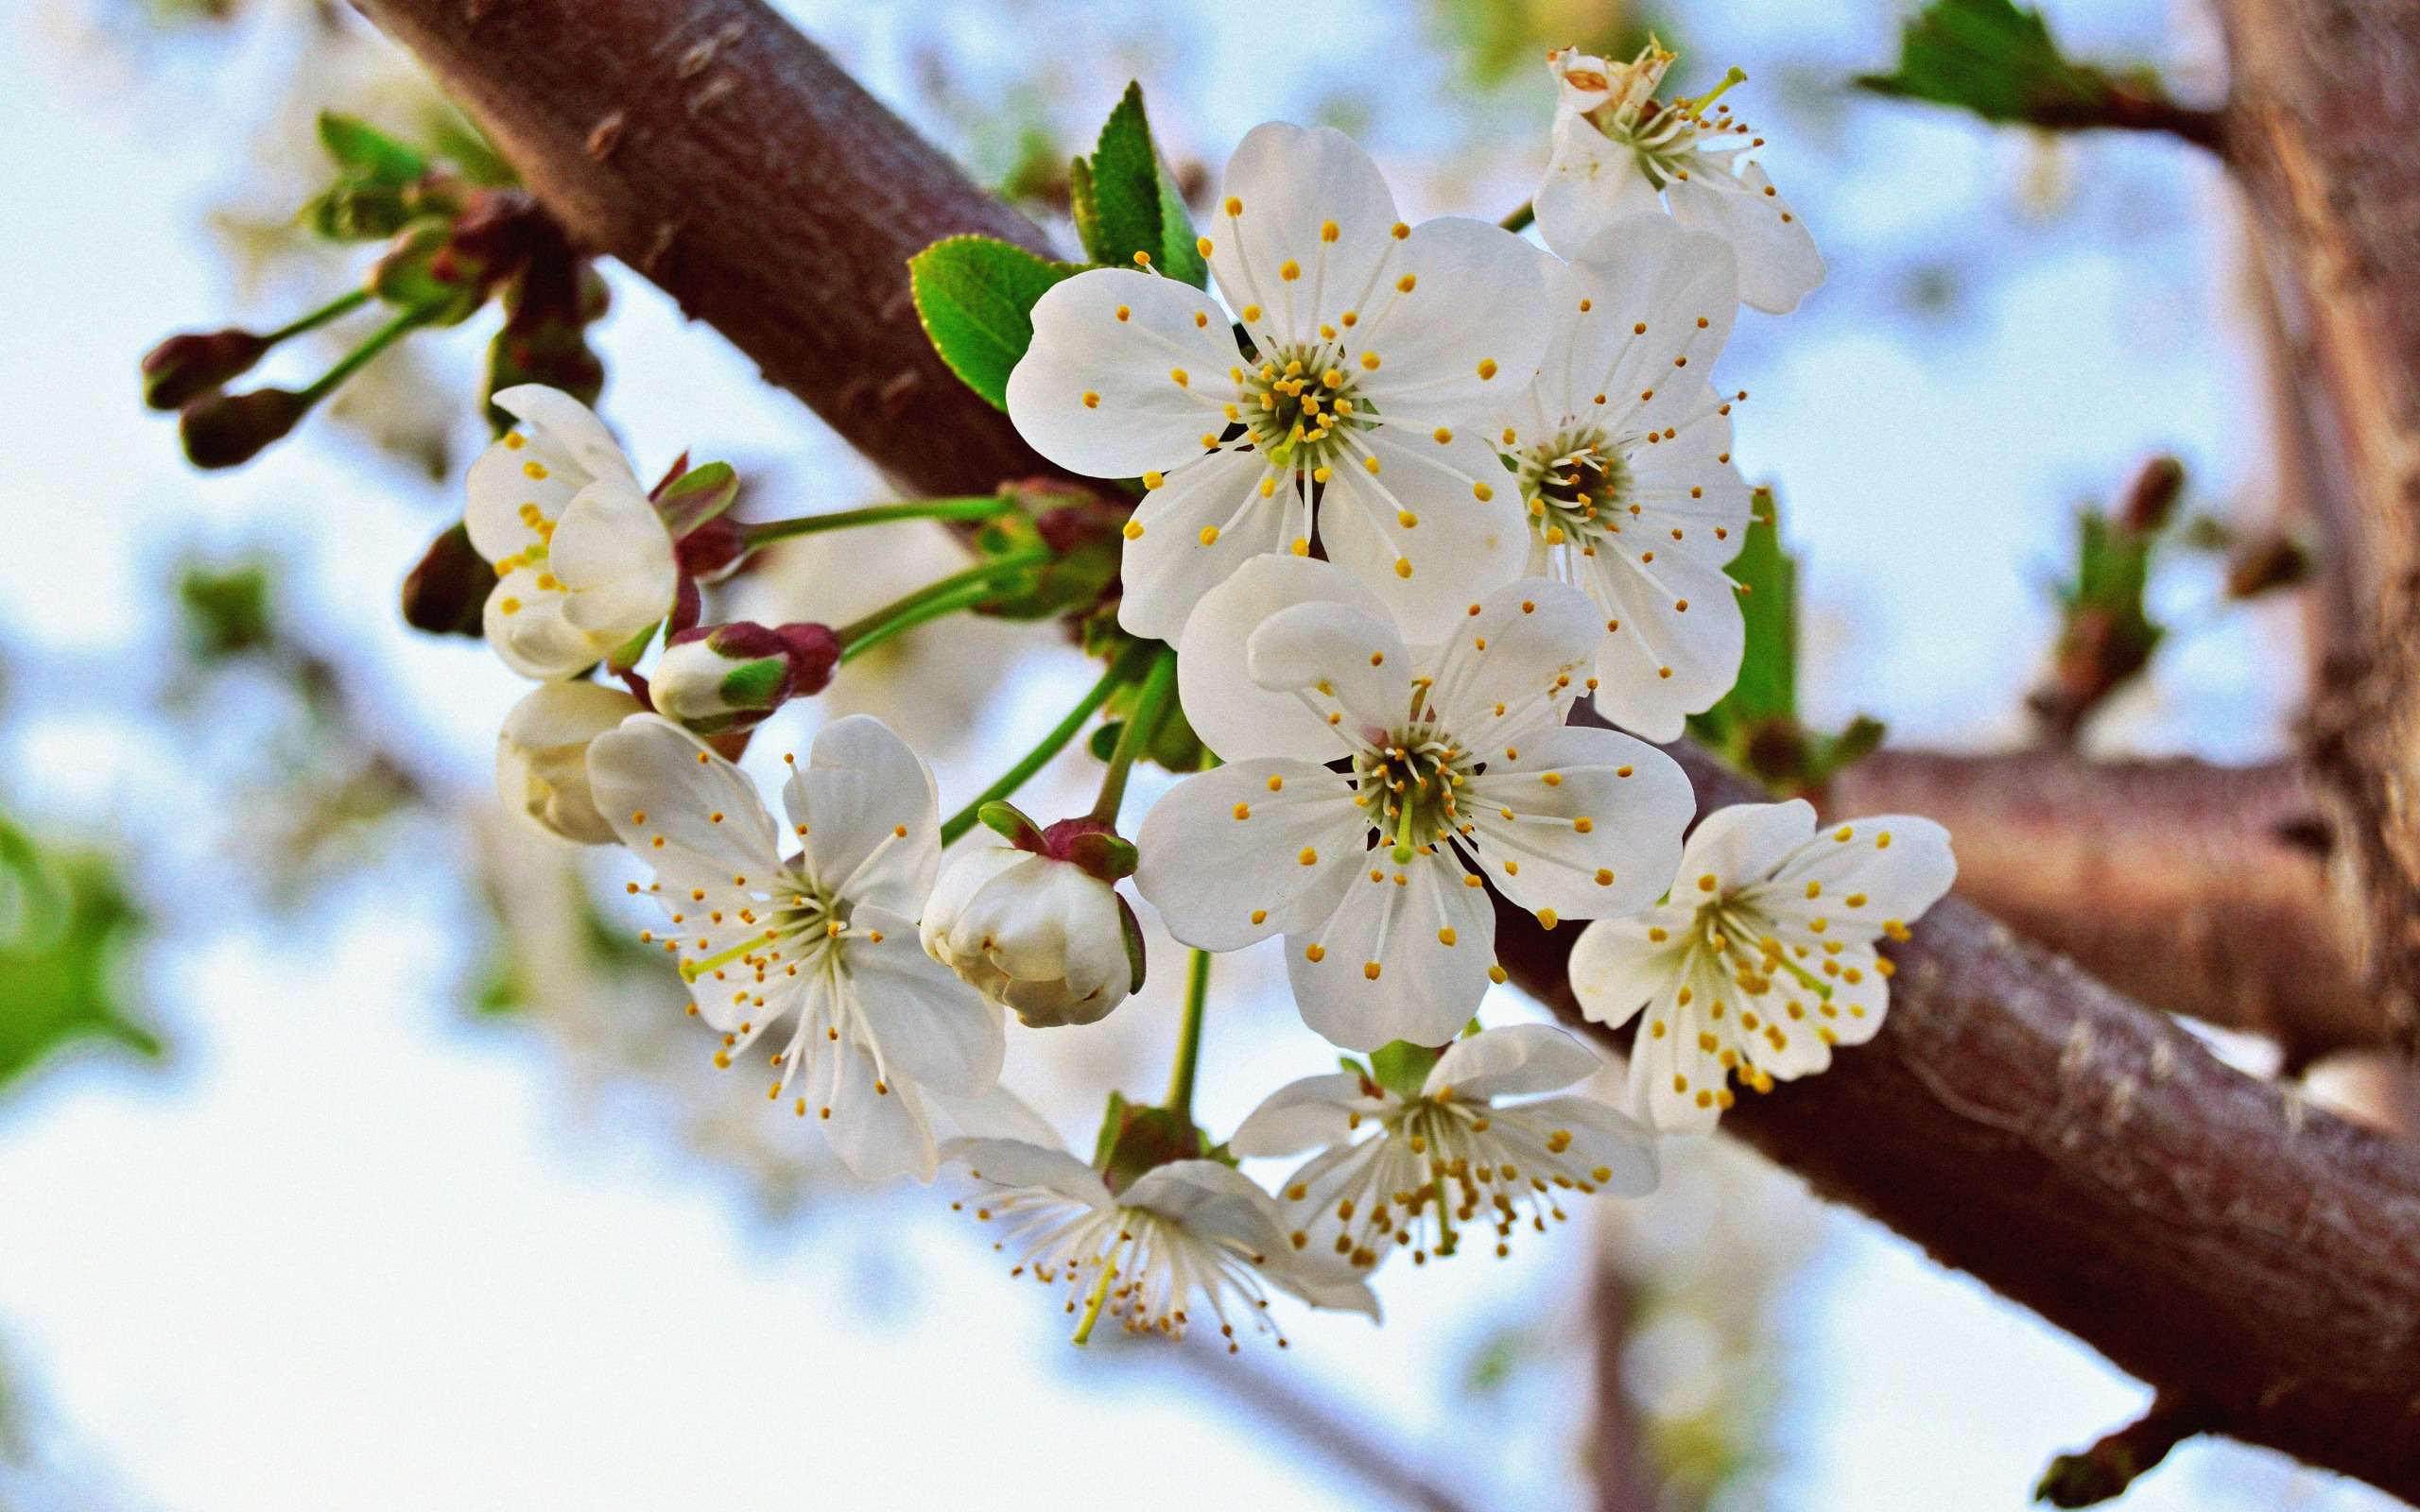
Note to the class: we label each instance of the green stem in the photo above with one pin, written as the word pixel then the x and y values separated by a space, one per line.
pixel 1519 220
pixel 1188 1036
pixel 975 508
pixel 1149 708
pixel 378 341
pixel 334 309
pixel 1052 744
pixel 896 616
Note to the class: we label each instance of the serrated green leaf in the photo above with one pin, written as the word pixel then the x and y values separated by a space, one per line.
pixel 1182 258
pixel 975 297
pixel 1989 57
pixel 1118 211
pixel 1767 687
pixel 366 152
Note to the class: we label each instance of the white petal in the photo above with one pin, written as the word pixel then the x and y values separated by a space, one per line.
pixel 1468 334
pixel 1741 844
pixel 1603 1140
pixel 877 1134
pixel 860 787
pixel 1591 844
pixel 996 1114
pixel 1778 263
pixel 615 560
pixel 1233 714
pixel 1677 639
pixel 1288 185
pixel 932 1026
pixel 1194 532
pixel 1898 880
pixel 541 758
pixel 1312 1114
pixel 1644 270
pixel 1510 666
pixel 1669 1066
pixel 655 781
pixel 1098 393
pixel 532 637
pixel 503 479
pixel 1514 1061
pixel 1014 1163
pixel 1590 184
pixel 1347 661
pixel 570 424
pixel 1424 989
pixel 1461 545
pixel 1211 1201
pixel 1617 967
pixel 1221 883
pixel 959 881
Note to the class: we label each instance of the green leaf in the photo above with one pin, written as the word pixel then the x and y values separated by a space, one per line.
pixel 366 152
pixel 1183 259
pixel 226 613
pixel 1993 59
pixel 1767 687
pixel 1402 1067
pixel 975 297
pixel 1117 213
pixel 66 923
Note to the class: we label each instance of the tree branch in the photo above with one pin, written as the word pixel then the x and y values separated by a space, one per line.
pixel 2022 1122
pixel 2325 130
pixel 2194 889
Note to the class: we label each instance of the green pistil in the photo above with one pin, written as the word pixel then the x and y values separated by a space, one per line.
pixel 1099 1295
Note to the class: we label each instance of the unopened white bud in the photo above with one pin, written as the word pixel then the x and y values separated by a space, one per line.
pixel 1033 934
pixel 542 757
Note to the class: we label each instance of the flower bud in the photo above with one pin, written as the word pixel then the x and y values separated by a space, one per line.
pixel 192 363
pixel 227 430
pixel 542 757
pixel 729 677
pixel 446 593
pixel 1038 925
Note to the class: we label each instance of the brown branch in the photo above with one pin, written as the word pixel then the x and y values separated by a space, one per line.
pixel 2325 130
pixel 2205 1230
pixel 2197 889
pixel 1622 1468
pixel 2022 1122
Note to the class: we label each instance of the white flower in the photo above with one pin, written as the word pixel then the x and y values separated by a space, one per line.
pixel 541 758
pixel 1616 147
pixel 1359 1201
pixel 1763 958
pixel 1623 452
pixel 1032 932
pixel 583 562
pixel 1461 772
pixel 1138 1255
pixel 826 938
pixel 1377 342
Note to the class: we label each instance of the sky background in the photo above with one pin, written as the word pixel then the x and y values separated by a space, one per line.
pixel 351 1241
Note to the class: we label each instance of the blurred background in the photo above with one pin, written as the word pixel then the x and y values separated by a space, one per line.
pixel 349 1156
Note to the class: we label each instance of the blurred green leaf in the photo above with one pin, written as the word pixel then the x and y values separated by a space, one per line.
pixel 366 153
pixel 66 922
pixel 227 614
pixel 1995 59
pixel 975 297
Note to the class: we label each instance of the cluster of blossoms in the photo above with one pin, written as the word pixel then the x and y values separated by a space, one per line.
pixel 1411 495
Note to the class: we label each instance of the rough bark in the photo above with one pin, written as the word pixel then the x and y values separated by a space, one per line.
pixel 2020 1120
pixel 2194 889
pixel 2324 130
pixel 2205 1230
pixel 710 146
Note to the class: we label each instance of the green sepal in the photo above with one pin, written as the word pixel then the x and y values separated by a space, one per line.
pixel 1008 821
pixel 756 684
pixel 975 297
pixel 1069 580
pixel 1132 928
pixel 1173 746
pixel 1348 1063
pixel 1992 58
pixel 407 276
pixel 1136 1137
pixel 1103 857
pixel 1103 744
pixel 368 154
pixel 697 496
pixel 1402 1067
pixel 626 655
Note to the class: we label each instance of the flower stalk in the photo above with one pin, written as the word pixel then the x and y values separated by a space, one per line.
pixel 1034 759
pixel 1188 1036
pixel 1159 686
pixel 980 507
pixel 960 590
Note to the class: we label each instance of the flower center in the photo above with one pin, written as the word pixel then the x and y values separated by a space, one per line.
pixel 1574 484
pixel 1408 783
pixel 1302 405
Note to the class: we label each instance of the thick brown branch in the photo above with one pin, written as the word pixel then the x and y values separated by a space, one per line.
pixel 2020 1121
pixel 2326 130
pixel 2205 1230
pixel 2194 889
